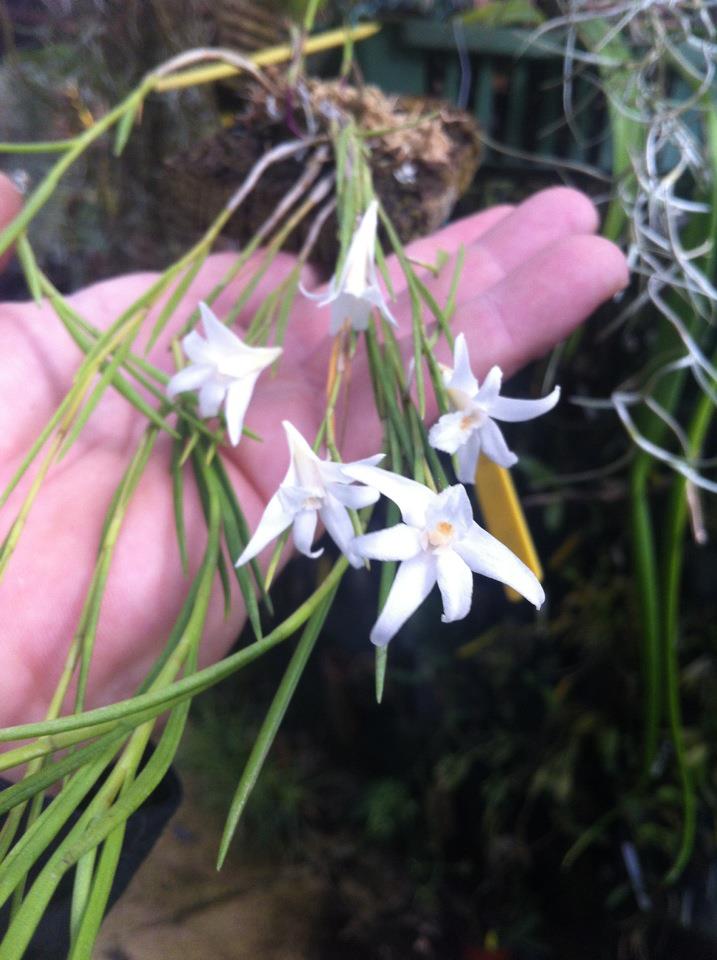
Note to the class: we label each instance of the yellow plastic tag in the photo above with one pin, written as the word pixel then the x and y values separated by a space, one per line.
pixel 504 517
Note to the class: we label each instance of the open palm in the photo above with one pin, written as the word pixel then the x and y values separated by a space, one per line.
pixel 531 275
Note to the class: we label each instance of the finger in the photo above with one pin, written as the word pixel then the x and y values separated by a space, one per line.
pixel 10 204
pixel 541 302
pixel 500 243
pixel 528 312
pixel 461 233
pixel 540 220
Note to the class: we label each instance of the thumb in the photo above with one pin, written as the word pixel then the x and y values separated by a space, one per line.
pixel 10 204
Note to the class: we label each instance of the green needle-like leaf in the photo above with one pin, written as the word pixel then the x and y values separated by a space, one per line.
pixel 178 503
pixel 272 722
pixel 28 263
pixel 381 659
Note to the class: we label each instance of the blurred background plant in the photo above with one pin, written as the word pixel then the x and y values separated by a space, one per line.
pixel 551 792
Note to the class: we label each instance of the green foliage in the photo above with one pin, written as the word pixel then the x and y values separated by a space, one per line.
pixel 505 13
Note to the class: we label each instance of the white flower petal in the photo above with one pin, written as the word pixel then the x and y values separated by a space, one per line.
pixel 339 527
pixel 413 582
pixel 354 496
pixel 399 542
pixel 197 349
pixel 274 521
pixel 450 432
pixel 462 376
pixel 303 532
pixel 238 398
pixel 375 296
pixel 349 307
pixel 513 411
pixel 455 581
pixel 189 378
pixel 361 252
pixel 323 299
pixel 467 458
pixel 305 465
pixel 298 447
pixel 413 499
pixel 487 556
pixel 246 361
pixel 453 505
pixel 218 334
pixel 370 461
pixel 211 396
pixel 490 388
pixel 334 472
pixel 494 446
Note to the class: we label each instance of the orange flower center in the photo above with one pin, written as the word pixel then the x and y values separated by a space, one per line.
pixel 442 534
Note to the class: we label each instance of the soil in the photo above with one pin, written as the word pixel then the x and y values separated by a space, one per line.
pixel 178 905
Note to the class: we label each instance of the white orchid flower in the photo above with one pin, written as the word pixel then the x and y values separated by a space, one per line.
pixel 223 369
pixel 472 429
pixel 312 489
pixel 438 542
pixel 356 291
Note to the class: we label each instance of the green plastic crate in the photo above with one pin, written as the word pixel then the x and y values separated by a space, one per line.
pixel 516 88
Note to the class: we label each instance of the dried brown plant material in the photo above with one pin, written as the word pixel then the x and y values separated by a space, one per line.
pixel 423 155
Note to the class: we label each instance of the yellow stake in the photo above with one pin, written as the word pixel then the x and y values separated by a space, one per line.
pixel 267 57
pixel 504 517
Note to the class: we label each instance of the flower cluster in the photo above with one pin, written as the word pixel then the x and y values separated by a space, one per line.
pixel 438 541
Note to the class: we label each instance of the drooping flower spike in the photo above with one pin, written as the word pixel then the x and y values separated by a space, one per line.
pixel 224 371
pixel 312 489
pixel 356 291
pixel 471 429
pixel 438 542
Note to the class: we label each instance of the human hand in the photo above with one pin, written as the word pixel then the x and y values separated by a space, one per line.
pixel 531 275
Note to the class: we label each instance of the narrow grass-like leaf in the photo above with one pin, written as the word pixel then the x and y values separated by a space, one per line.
pixel 81 891
pixel 89 831
pixel 26 256
pixel 13 535
pixel 208 493
pixel 235 545
pixel 90 908
pixel 290 292
pixel 124 127
pixel 381 375
pixel 89 618
pixel 225 582
pixel 174 300
pixel 178 503
pixel 36 839
pixel 450 306
pixel 272 722
pixel 388 574
pixel 380 669
pixel 24 790
pixel 34 450
pixel 242 528
pixel 71 151
pixel 158 700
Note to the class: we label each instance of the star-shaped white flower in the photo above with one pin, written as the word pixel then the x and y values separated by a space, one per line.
pixel 472 429
pixel 438 542
pixel 223 369
pixel 312 489
pixel 356 291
